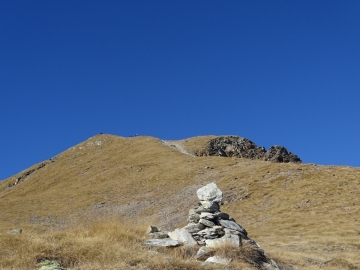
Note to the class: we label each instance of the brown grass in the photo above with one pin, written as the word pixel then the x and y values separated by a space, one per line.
pixel 303 213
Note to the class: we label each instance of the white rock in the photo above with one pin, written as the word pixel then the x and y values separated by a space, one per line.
pixel 183 236
pixel 217 259
pixel 231 239
pixel 210 192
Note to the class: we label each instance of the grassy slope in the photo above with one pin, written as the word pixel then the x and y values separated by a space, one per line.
pixel 304 213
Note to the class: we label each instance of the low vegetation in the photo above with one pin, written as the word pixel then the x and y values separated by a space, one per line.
pixel 305 216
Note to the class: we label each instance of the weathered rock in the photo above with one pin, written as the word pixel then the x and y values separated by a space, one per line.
pixel 15 231
pixel 278 153
pixel 207 223
pixel 194 227
pixel 232 225
pixel 183 236
pixel 162 242
pixel 218 260
pixel 211 233
pixel 230 239
pixel 207 215
pixel 210 192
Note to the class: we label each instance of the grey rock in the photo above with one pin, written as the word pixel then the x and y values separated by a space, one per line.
pixel 210 192
pixel 207 223
pixel 232 225
pixel 183 236
pixel 194 227
pixel 212 206
pixel 162 242
pixel 230 239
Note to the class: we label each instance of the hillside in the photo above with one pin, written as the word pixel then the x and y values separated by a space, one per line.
pixel 305 213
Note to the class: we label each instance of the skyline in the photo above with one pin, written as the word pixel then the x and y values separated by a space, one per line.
pixel 277 73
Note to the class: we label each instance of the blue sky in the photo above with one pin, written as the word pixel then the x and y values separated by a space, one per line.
pixel 276 72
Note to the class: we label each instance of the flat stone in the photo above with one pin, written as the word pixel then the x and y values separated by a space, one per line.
pixel 207 223
pixel 194 217
pixel 183 236
pixel 163 242
pixel 210 192
pixel 232 225
pixel 231 239
pixel 212 206
pixel 207 215
pixel 194 227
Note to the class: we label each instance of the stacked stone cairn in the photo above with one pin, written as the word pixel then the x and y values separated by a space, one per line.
pixel 208 227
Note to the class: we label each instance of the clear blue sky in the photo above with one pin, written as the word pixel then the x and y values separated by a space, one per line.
pixel 276 72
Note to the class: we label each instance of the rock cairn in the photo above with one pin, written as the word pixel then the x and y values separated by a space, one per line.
pixel 208 228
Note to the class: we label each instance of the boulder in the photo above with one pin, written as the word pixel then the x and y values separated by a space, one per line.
pixel 210 192
pixel 162 242
pixel 183 236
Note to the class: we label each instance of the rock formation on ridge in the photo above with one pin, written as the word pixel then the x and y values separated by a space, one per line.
pixel 234 146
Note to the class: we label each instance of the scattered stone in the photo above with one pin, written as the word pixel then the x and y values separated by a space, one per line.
pixel 15 231
pixel 183 236
pixel 163 242
pixel 152 229
pixel 50 265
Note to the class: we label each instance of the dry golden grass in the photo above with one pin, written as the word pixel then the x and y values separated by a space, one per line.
pixel 304 214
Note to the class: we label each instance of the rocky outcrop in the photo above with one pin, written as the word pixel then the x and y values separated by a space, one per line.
pixel 209 228
pixel 234 146
pixel 278 153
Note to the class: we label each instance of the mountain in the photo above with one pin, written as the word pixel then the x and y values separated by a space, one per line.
pixel 307 213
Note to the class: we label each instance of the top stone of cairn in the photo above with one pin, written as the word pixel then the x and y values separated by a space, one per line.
pixel 210 192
